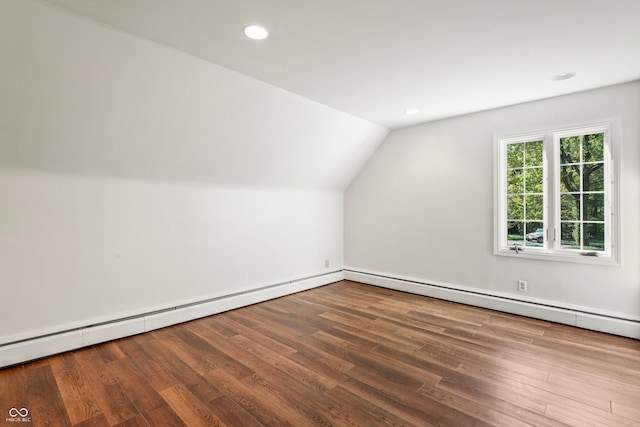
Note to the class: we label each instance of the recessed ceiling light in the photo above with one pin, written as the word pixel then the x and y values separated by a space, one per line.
pixel 564 76
pixel 256 32
pixel 412 111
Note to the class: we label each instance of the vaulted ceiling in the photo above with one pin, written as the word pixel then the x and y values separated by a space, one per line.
pixel 77 97
pixel 377 58
pixel 168 89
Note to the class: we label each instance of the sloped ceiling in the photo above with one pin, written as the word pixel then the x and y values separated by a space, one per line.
pixel 167 89
pixel 77 97
pixel 376 58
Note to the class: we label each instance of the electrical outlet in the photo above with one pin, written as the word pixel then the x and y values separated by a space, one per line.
pixel 522 286
pixel 326 263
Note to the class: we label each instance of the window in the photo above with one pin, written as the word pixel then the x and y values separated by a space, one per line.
pixel 555 195
pixel 525 193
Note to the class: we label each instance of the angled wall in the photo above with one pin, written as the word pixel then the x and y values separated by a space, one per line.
pixel 137 180
pixel 421 213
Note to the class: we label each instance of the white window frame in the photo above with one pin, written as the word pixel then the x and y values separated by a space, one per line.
pixel 551 248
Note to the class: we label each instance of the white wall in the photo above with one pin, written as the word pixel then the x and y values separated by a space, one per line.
pixel 423 206
pixel 80 250
pixel 134 177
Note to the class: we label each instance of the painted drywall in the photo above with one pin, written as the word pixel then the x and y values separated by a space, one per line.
pixel 78 97
pixel 423 206
pixel 76 251
pixel 134 177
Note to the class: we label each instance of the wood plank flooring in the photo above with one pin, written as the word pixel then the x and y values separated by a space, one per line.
pixel 345 354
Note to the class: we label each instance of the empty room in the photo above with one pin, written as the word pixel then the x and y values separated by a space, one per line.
pixel 319 213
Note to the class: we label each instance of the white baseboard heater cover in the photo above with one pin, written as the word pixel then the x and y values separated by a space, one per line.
pixel 35 347
pixel 582 317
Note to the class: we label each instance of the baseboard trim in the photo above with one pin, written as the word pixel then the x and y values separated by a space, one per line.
pixel 37 347
pixel 582 317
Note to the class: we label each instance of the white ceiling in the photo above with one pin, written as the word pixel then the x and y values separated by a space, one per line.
pixel 376 58
pixel 78 98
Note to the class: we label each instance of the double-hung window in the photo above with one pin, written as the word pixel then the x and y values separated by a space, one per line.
pixel 555 195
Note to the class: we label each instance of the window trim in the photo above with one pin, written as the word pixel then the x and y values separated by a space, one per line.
pixel 551 204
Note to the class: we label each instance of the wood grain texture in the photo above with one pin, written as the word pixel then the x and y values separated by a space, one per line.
pixel 345 354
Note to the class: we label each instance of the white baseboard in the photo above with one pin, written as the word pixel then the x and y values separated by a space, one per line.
pixel 218 305
pixel 582 317
pixel 57 342
pixel 65 340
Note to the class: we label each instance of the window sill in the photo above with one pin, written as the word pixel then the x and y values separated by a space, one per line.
pixel 575 257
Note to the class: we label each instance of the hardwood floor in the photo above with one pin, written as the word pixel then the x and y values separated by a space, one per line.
pixel 345 354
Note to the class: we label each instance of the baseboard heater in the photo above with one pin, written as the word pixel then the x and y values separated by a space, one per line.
pixel 582 317
pixel 26 349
